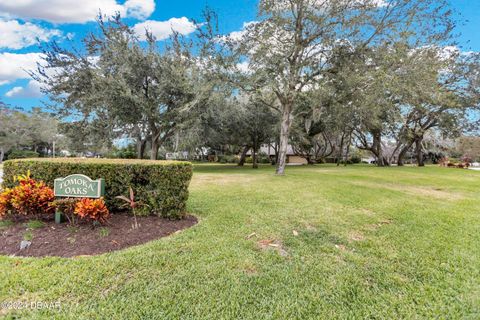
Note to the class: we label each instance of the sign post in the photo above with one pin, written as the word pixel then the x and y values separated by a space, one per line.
pixel 77 186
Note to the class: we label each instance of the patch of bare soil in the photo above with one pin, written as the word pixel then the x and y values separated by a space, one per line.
pixel 223 179
pixel 380 224
pixel 64 240
pixel 272 244
pixel 356 236
pixel 429 192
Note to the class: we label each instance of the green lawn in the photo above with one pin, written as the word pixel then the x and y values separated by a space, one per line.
pixel 348 243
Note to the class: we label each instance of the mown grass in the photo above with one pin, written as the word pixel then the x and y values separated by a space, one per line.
pixel 322 242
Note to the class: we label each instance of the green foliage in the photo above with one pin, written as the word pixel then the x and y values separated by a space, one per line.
pixel 22 154
pixel 110 93
pixel 162 186
pixel 28 235
pixel 66 206
pixel 345 162
pixel 104 232
pixel 123 153
pixel 35 224
pixel 228 159
pixel 356 159
pixel 5 224
pixel 263 158
pixel 34 130
pixel 131 203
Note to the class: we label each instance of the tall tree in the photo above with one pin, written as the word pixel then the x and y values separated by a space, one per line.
pixel 129 87
pixel 290 49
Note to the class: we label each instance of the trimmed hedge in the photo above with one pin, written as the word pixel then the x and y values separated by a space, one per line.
pixel 22 154
pixel 161 186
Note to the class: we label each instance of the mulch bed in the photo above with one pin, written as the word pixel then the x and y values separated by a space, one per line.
pixel 63 240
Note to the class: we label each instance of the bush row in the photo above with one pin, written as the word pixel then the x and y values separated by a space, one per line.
pixel 22 154
pixel 261 158
pixel 160 186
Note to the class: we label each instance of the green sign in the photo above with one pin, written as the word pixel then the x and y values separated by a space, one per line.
pixel 79 186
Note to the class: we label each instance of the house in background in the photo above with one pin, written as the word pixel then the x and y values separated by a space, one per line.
pixel 292 158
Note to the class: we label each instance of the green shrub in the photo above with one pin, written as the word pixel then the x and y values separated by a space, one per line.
pixel 222 159
pixel 263 158
pixel 345 162
pixel 227 159
pixel 128 152
pixel 355 159
pixel 22 154
pixel 231 159
pixel 162 186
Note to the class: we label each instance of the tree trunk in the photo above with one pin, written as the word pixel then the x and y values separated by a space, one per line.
pixel 141 144
pixel 403 153
pixel 419 151
pixel 347 153
pixel 254 158
pixel 386 162
pixel 2 154
pixel 275 149
pixel 380 162
pixel 309 160
pixel 340 151
pixel 241 162
pixel 255 150
pixel 377 145
pixel 155 146
pixel 284 132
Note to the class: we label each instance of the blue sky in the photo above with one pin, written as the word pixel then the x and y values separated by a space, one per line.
pixel 22 22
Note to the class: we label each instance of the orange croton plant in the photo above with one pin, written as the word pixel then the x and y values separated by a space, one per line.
pixel 92 209
pixel 30 197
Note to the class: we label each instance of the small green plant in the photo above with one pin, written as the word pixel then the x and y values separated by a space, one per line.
pixel 35 224
pixel 28 235
pixel 67 207
pixel 72 229
pixel 104 232
pixel 5 224
pixel 129 202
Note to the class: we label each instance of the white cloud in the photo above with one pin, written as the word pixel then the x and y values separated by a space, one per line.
pixel 139 9
pixel 238 35
pixel 16 35
pixel 14 66
pixel 32 90
pixel 74 11
pixel 163 29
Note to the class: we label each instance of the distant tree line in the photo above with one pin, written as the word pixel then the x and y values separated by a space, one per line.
pixel 327 78
pixel 29 134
